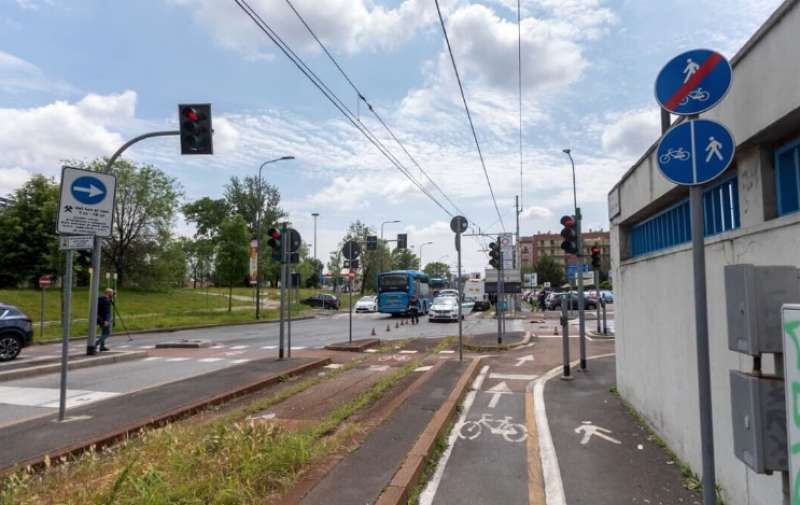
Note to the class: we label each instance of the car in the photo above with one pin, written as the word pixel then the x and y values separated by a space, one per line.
pixel 16 332
pixel 554 302
pixel 367 304
pixel 447 292
pixel 322 300
pixel 607 296
pixel 444 308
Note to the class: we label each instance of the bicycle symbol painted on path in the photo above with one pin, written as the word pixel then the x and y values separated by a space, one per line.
pixel 699 95
pixel 678 154
pixel 511 432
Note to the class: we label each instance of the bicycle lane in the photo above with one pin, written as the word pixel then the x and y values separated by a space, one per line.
pixel 486 460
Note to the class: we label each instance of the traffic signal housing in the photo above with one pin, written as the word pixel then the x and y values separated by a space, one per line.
pixel 596 257
pixel 372 243
pixel 195 129
pixel 402 241
pixel 275 243
pixel 570 235
pixel 494 254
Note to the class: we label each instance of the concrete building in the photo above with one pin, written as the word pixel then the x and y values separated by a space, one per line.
pixel 751 217
pixel 549 244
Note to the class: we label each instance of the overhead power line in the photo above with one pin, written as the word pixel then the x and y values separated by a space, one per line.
pixel 362 97
pixel 332 97
pixel 469 116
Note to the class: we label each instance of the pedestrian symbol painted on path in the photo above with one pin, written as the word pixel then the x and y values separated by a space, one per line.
pixel 88 190
pixel 589 430
pixel 695 152
pixel 693 82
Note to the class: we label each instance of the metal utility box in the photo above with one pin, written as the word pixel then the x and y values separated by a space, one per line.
pixel 754 296
pixel 759 421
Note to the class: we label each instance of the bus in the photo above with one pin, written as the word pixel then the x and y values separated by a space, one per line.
pixel 436 284
pixel 396 288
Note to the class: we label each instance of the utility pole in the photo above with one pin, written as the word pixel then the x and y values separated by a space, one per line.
pixel 517 255
pixel 315 215
pixel 284 248
pixel 578 264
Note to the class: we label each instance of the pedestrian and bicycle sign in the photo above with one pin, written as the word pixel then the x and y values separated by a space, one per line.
pixel 693 82
pixel 695 152
pixel 86 205
pixel 76 243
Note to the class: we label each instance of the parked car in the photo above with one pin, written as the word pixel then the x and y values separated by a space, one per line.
pixel 554 302
pixel 322 300
pixel 16 332
pixel 444 308
pixel 367 304
pixel 447 292
pixel 607 296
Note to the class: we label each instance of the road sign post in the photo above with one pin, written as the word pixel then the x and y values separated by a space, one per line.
pixel 459 225
pixel 581 303
pixel 351 251
pixel 284 245
pixel 66 319
pixel 691 154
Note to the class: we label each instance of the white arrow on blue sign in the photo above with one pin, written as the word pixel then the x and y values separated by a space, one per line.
pixel 695 152
pixel 88 190
pixel 693 82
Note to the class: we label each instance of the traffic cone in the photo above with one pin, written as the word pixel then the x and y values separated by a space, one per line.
pixel 387 327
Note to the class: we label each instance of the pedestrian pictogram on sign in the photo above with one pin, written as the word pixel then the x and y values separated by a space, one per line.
pixel 693 82
pixel 695 152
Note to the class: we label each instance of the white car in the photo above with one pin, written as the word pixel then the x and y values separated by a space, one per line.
pixel 367 304
pixel 444 308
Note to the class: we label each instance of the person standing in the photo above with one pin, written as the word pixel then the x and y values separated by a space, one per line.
pixel 542 300
pixel 414 309
pixel 104 305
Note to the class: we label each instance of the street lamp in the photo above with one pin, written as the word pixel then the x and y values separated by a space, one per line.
pixel 420 253
pixel 568 152
pixel 382 242
pixel 578 265
pixel 315 215
pixel 258 230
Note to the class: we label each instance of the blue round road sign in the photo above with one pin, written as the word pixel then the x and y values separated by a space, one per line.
pixel 88 190
pixel 693 82
pixel 695 152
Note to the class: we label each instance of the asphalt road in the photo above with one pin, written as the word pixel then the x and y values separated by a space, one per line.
pixel 233 345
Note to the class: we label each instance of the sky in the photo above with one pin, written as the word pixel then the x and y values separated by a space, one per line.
pixel 79 77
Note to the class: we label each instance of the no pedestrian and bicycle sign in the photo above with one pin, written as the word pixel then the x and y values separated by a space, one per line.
pixel 695 152
pixel 693 82
pixel 86 204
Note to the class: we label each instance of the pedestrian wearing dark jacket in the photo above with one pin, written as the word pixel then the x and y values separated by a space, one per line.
pixel 104 307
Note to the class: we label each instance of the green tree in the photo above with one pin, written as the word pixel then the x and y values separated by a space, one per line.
pixel 232 253
pixel 246 196
pixel 335 262
pixel 28 241
pixel 438 269
pixel 166 267
pixel 404 259
pixel 146 203
pixel 549 270
pixel 207 214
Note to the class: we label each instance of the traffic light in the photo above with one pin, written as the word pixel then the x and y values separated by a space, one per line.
pixel 195 129
pixel 570 235
pixel 275 243
pixel 494 254
pixel 354 264
pixel 402 241
pixel 372 243
pixel 596 257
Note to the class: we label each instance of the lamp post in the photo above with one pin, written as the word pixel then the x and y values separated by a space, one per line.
pixel 258 230
pixel 382 242
pixel 315 215
pixel 421 246
pixel 578 263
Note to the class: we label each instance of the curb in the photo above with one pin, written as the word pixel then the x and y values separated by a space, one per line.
pixel 100 442
pixel 20 373
pixel 409 473
pixel 177 328
pixel 502 347
pixel 356 346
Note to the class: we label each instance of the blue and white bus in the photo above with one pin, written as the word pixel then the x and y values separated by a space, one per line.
pixel 396 288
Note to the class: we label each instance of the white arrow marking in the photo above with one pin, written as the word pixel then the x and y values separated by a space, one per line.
pixel 522 360
pixel 92 190
pixel 496 392
pixel 590 430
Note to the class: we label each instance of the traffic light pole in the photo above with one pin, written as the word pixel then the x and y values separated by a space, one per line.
pixel 284 247
pixel 579 273
pixel 94 289
pixel 500 299
pixel 597 292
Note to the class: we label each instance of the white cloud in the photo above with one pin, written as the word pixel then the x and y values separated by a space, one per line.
pixel 535 211
pixel 629 134
pixel 11 179
pixel 18 75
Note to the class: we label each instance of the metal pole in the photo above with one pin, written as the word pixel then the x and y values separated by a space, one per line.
pixel 350 301
pixel 41 318
pixel 460 301
pixel 94 290
pixel 597 292
pixel 284 247
pixel 258 245
pixel 289 312
pixel 517 255
pixel 703 359
pixel 315 215
pixel 567 373
pixel 502 297
pixel 581 302
pixel 62 399
pixel 605 322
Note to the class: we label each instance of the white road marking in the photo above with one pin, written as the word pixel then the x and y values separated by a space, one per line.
pixel 333 366
pixel 239 347
pixel 153 358
pixel 496 392
pixel 125 346
pixel 446 351
pixel 589 430
pixel 176 360
pixel 218 346
pixel 268 347
pixel 49 397
pixel 371 350
pixel 239 361
pixel 513 376
pixel 72 419
pixel 429 493
pixel 378 368
pixel 423 368
pixel 524 359
pixel 233 353
pixel 409 352
pixel 298 348
pixel 209 360
pixel 147 347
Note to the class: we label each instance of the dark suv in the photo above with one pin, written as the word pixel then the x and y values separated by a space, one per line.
pixel 322 300
pixel 16 332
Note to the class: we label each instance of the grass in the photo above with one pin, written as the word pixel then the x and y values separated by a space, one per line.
pixel 431 462
pixel 691 480
pixel 226 461
pixel 141 310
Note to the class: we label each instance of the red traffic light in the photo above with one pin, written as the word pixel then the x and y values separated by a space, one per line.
pixel 567 221
pixel 190 114
pixel 595 250
pixel 274 233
